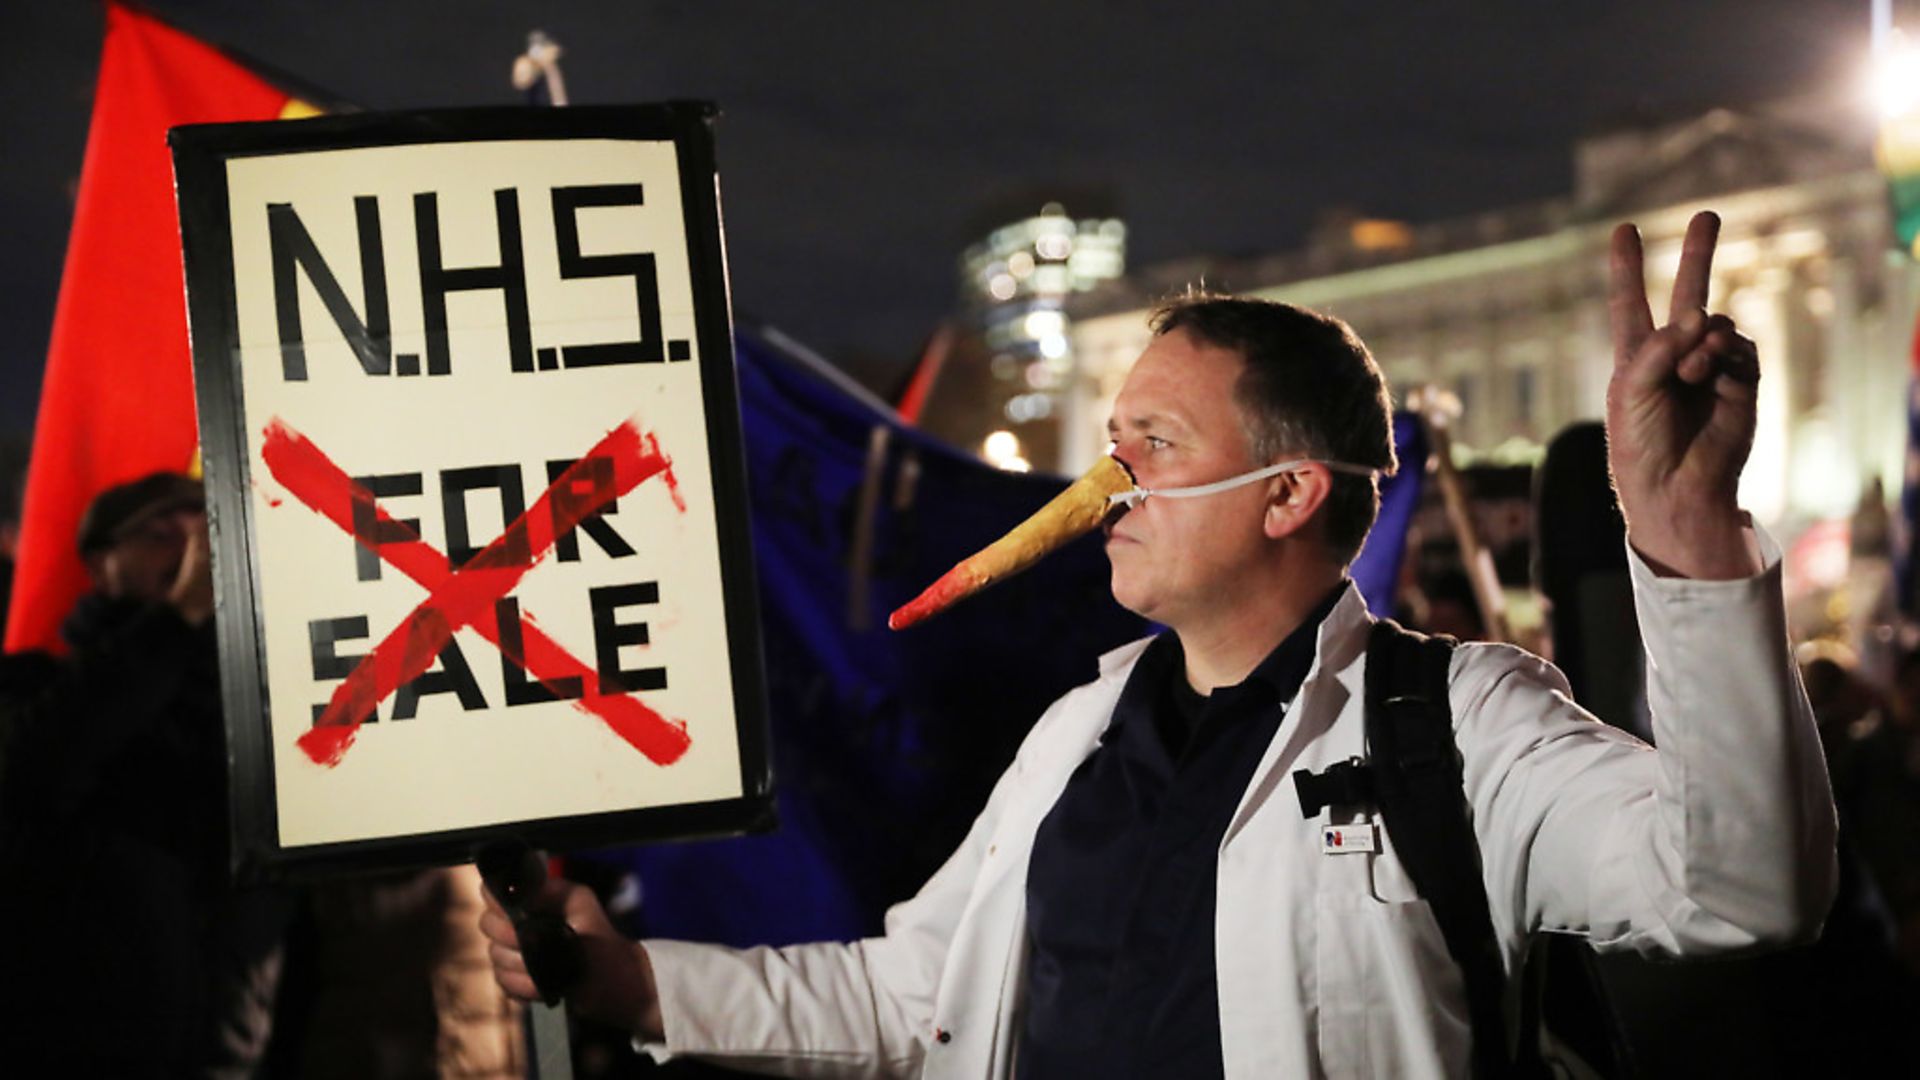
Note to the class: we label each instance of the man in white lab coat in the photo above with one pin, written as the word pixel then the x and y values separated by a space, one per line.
pixel 1142 894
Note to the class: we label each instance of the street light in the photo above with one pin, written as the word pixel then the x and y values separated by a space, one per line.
pixel 1896 78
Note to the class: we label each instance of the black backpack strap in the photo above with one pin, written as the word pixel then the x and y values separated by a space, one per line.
pixel 1421 794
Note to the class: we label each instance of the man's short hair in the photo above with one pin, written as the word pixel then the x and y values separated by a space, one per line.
pixel 1310 389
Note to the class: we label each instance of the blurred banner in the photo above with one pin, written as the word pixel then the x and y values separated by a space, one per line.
pixel 1897 152
pixel 116 401
pixel 1908 533
pixel 1377 569
pixel 885 744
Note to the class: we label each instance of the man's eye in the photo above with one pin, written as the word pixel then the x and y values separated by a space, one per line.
pixel 1155 442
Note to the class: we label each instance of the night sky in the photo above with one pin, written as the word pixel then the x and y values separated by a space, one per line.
pixel 861 139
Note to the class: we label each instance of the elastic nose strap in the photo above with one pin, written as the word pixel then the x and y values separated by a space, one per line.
pixel 1138 495
pixel 1229 483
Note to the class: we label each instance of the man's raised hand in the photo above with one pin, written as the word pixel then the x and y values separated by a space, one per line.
pixel 191 591
pixel 1681 411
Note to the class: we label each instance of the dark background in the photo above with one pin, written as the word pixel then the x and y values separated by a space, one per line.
pixel 861 139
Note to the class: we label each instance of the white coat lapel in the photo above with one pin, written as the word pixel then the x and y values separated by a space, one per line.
pixel 1057 750
pixel 1331 684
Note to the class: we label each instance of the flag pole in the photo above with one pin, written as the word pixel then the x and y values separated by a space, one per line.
pixel 536 73
pixel 1437 410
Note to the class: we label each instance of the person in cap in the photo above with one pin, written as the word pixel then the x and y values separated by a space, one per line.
pixel 1144 894
pixel 126 951
pixel 145 543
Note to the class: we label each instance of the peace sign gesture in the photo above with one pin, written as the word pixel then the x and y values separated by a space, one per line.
pixel 1681 411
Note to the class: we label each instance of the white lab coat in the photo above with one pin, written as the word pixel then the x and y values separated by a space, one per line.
pixel 1330 965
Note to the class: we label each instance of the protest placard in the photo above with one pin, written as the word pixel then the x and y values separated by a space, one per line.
pixel 472 446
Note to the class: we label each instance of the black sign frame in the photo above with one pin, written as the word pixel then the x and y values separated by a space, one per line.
pixel 200 155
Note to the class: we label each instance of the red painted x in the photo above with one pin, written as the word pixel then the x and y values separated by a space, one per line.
pixel 467 596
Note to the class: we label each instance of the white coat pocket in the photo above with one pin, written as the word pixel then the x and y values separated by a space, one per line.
pixel 1390 1002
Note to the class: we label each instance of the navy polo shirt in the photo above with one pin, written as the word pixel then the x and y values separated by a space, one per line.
pixel 1120 888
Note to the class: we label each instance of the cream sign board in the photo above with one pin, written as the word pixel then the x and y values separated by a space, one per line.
pixel 472 445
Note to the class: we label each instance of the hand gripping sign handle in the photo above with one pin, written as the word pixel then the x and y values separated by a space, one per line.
pixel 1079 509
pixel 514 873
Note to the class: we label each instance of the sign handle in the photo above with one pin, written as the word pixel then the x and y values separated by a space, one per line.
pixel 549 1052
pixel 515 874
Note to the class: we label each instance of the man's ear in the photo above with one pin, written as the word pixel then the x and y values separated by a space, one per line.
pixel 1294 497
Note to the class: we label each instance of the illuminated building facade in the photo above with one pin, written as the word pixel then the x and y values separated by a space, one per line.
pixel 1507 309
pixel 1005 388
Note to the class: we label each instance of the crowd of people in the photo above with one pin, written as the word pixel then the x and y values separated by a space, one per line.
pixel 1871 734
pixel 1151 889
pixel 1143 894
pixel 129 952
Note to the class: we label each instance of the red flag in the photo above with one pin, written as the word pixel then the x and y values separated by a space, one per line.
pixel 116 402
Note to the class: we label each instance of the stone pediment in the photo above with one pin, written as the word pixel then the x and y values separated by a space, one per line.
pixel 1712 155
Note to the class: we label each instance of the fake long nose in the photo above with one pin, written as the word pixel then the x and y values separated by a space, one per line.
pixel 1076 511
